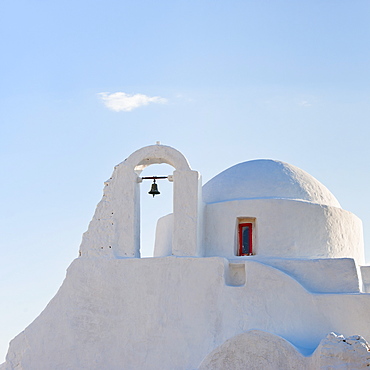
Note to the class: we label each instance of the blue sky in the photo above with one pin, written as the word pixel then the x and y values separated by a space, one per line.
pixel 221 81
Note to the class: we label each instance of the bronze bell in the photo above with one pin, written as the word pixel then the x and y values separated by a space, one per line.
pixel 154 190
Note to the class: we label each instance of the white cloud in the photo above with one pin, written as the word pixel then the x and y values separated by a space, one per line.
pixel 121 101
pixel 305 103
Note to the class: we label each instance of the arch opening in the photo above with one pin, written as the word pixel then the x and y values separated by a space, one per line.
pixel 186 202
pixel 153 208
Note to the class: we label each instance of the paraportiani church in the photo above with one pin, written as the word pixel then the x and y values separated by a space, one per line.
pixel 260 268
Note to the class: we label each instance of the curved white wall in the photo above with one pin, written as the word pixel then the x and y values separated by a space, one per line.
pixel 285 228
pixel 163 236
pixel 266 178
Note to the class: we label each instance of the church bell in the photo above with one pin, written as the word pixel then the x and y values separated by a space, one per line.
pixel 154 190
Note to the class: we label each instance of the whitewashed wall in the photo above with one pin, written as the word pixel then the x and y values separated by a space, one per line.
pixel 285 228
pixel 170 313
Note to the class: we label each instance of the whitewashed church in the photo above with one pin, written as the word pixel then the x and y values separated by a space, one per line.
pixel 260 268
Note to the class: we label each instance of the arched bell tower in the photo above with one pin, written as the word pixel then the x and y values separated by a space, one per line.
pixel 115 228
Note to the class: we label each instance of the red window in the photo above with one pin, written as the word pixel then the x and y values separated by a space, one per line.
pixel 245 239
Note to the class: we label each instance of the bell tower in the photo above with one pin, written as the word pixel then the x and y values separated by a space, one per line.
pixel 117 217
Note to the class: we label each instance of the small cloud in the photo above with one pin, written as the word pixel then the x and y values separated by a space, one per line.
pixel 121 101
pixel 305 103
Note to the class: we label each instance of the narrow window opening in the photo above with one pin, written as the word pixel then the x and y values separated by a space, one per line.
pixel 245 239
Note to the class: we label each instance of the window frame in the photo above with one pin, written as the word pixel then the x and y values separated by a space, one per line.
pixel 240 237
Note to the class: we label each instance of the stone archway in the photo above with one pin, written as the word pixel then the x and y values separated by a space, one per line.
pixel 187 200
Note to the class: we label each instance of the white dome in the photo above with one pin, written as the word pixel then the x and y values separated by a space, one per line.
pixel 266 178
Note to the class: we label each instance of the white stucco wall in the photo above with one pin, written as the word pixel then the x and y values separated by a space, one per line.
pixel 266 178
pixel 365 273
pixel 163 236
pixel 329 275
pixel 170 313
pixel 256 349
pixel 285 228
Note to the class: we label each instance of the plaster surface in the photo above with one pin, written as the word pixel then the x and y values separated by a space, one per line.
pixel 266 178
pixel 365 272
pixel 257 350
pixel 171 312
pixel 196 304
pixel 163 236
pixel 284 228
pixel 329 275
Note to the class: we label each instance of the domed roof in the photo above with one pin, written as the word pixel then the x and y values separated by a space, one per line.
pixel 266 178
